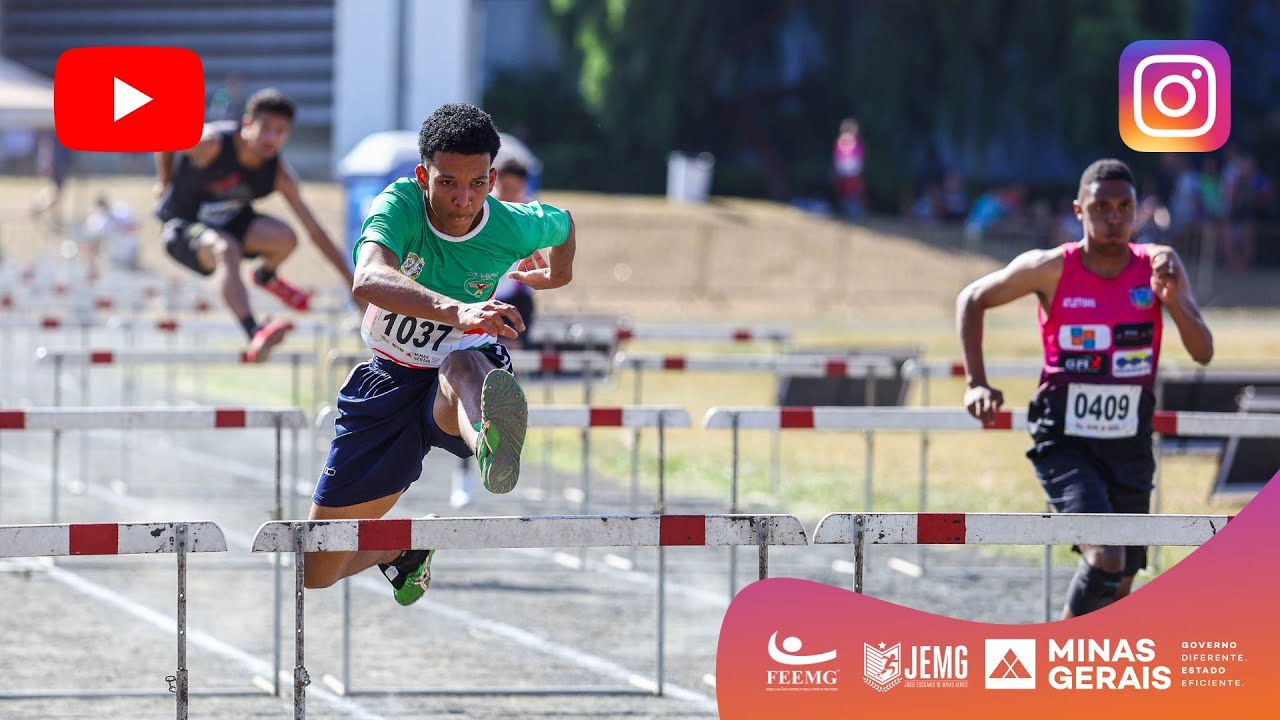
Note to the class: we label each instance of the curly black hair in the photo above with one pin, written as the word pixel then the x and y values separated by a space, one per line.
pixel 458 128
pixel 1105 169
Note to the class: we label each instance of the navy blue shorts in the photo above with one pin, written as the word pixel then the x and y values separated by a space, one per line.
pixel 385 428
pixel 1079 476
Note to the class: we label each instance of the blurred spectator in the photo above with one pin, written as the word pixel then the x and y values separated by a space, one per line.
pixel 1185 206
pixel 53 160
pixel 847 160
pixel 1152 217
pixel 115 226
pixel 1245 193
pixel 955 204
pixel 997 207
pixel 1069 228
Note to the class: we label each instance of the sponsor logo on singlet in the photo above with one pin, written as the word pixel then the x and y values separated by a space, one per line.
pixel 1085 363
pixel 1133 334
pixel 1079 302
pixel 1132 363
pixel 1084 337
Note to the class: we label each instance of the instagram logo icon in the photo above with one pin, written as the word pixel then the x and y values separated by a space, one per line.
pixel 1175 96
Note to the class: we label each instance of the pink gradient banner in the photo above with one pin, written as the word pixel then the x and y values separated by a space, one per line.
pixel 1200 640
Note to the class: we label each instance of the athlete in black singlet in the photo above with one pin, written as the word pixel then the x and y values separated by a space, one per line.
pixel 206 196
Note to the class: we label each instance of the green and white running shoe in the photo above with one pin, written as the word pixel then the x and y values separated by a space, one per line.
pixel 410 575
pixel 504 419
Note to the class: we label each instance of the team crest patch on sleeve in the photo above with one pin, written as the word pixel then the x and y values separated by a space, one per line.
pixel 412 266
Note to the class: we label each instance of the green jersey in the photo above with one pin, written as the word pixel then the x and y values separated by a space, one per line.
pixel 466 268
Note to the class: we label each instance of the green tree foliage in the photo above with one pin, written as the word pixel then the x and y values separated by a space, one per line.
pixel 763 84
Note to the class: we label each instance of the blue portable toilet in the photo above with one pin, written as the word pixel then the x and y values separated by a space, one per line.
pixel 382 158
pixel 374 163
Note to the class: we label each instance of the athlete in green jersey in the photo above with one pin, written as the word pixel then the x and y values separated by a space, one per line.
pixel 428 259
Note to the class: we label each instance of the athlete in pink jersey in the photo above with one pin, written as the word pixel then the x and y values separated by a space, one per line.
pixel 1100 323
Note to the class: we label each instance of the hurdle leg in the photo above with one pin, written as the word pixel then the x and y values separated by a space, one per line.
pixel 659 671
pixel 868 469
pixel 775 461
pixel 300 677
pixel 924 492
pixel 733 502
pixel 762 540
pixel 858 559
pixel 182 689
pixel 1046 577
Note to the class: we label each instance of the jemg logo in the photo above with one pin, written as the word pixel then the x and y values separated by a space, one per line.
pixel 1175 96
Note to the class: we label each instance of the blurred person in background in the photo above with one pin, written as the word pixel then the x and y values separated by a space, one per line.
pixel 1101 304
pixel 115 227
pixel 847 161
pixel 53 160
pixel 1244 196
pixel 512 186
pixel 210 225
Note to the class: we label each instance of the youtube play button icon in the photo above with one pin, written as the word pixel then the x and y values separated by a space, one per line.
pixel 128 99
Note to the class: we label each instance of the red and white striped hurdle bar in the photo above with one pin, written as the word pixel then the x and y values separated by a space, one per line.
pixel 582 531
pixel 526 361
pixel 166 357
pixel 1017 529
pixel 782 365
pixel 178 538
pixel 1193 424
pixel 860 529
pixel 45 322
pixel 1031 368
pixel 170 324
pixel 106 539
pixel 150 418
pixel 562 531
pixel 628 416
pixel 549 331
pixel 62 419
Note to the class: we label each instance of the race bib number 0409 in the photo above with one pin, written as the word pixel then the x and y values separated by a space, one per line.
pixel 1102 411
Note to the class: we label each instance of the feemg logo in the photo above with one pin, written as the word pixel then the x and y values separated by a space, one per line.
pixel 1175 96
pixel 800 680
pixel 1011 664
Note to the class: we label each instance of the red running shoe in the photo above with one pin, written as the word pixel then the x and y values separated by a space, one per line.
pixel 295 298
pixel 266 337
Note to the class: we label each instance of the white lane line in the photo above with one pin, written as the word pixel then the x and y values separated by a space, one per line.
pixel 528 639
pixel 906 567
pixel 202 639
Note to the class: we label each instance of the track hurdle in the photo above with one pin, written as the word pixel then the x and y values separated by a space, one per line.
pixel 867 367
pixel 179 538
pixel 567 330
pixel 582 531
pixel 861 529
pixel 59 420
pixel 870 420
pixel 127 360
pixel 586 418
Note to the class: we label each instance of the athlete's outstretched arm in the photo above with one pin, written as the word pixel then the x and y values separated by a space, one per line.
pixel 1169 284
pixel 1036 272
pixel 378 281
pixel 560 272
pixel 287 184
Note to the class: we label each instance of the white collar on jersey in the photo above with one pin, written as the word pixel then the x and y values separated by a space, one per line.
pixel 484 219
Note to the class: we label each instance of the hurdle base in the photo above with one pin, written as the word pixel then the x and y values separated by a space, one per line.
pixel 127 692
pixel 335 685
